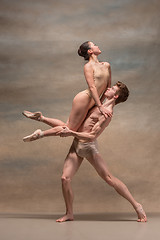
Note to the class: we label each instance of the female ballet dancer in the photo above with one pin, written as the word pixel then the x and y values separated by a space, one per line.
pixel 98 78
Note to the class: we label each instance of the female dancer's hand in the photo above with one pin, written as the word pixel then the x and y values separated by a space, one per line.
pixel 105 112
pixel 65 132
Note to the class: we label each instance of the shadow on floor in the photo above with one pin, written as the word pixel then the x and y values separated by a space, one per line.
pixel 77 217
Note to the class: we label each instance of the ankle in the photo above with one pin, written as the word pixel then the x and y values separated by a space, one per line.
pixel 69 213
pixel 41 134
pixel 136 205
pixel 41 118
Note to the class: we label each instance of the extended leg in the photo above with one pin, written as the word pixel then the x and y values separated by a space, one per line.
pixel 80 106
pixel 101 168
pixel 71 165
pixel 38 134
pixel 39 117
pixel 52 122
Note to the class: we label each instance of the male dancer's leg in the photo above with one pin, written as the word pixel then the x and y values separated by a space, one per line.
pixel 71 165
pixel 102 169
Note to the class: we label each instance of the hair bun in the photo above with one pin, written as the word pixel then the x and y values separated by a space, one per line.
pixel 80 53
pixel 83 50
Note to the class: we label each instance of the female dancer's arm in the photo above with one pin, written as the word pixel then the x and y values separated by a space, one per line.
pixel 109 82
pixel 88 72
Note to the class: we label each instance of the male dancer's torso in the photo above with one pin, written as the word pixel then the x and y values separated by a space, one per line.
pixel 94 116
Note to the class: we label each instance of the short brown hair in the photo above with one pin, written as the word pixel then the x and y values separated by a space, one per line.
pixel 122 93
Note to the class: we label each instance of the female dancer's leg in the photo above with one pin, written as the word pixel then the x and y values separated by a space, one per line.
pixel 39 117
pixel 80 106
pixel 52 122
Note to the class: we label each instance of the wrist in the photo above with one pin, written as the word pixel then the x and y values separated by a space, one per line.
pixel 99 106
pixel 72 133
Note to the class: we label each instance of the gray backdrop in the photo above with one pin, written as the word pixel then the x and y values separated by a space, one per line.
pixel 40 70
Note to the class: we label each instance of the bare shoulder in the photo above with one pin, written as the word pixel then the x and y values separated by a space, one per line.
pixel 107 64
pixel 88 66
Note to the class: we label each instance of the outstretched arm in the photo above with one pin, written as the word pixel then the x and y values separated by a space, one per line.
pixel 87 136
pixel 53 131
pixel 64 131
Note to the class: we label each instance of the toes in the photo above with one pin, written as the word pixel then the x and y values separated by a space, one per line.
pixel 142 220
pixel 145 219
pixel 59 220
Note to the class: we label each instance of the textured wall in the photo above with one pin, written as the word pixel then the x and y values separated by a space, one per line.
pixel 40 70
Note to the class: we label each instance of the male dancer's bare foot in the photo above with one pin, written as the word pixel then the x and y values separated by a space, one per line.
pixel 67 217
pixel 141 213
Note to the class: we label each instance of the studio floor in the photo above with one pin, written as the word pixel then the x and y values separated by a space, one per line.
pixel 85 226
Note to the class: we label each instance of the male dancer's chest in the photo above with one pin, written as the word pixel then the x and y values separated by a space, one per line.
pixel 91 120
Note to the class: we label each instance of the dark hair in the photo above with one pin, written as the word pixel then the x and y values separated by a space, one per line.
pixel 122 93
pixel 83 50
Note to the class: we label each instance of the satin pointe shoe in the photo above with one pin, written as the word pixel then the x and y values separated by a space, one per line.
pixel 34 136
pixel 35 116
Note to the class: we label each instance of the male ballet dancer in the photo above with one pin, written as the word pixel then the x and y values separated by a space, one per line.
pixel 85 146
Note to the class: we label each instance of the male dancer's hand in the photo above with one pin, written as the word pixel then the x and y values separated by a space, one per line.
pixel 65 132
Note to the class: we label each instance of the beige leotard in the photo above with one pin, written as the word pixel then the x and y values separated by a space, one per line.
pixel 101 77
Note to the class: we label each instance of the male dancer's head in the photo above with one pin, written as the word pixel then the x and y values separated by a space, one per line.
pixel 119 93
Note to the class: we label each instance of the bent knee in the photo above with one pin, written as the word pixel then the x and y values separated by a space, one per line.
pixel 65 179
pixel 110 180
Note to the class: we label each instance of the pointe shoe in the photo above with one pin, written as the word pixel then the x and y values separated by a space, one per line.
pixel 34 136
pixel 35 116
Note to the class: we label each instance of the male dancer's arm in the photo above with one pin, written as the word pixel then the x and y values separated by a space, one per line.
pixel 88 136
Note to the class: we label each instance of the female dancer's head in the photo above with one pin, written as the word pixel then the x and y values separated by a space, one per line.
pixel 87 49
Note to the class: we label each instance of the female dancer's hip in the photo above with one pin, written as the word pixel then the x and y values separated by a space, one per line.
pixel 82 102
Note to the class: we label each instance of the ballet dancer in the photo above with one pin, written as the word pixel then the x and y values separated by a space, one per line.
pixel 98 78
pixel 85 146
